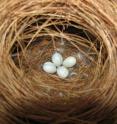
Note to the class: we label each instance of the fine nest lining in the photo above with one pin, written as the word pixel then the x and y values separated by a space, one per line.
pixel 66 37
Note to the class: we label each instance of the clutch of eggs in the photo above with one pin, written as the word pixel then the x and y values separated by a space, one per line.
pixel 59 66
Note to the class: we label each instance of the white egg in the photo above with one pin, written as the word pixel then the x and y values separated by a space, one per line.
pixel 62 72
pixel 69 62
pixel 49 67
pixel 57 59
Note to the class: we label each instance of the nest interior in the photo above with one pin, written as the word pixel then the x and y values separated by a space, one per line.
pixel 84 46
pixel 30 34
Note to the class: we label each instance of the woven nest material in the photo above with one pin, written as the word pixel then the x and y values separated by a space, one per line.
pixel 30 32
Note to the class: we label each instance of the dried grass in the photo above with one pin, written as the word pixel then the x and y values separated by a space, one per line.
pixel 30 31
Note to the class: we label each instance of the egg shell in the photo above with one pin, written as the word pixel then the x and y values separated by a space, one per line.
pixel 49 67
pixel 57 59
pixel 62 72
pixel 69 62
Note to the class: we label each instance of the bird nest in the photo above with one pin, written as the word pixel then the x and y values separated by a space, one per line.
pixel 30 33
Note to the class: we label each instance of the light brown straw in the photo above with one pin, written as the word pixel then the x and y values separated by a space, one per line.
pixel 30 32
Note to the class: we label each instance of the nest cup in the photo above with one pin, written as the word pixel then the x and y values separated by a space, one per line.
pixel 30 33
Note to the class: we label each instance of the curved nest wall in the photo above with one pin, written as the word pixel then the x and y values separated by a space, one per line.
pixel 30 32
